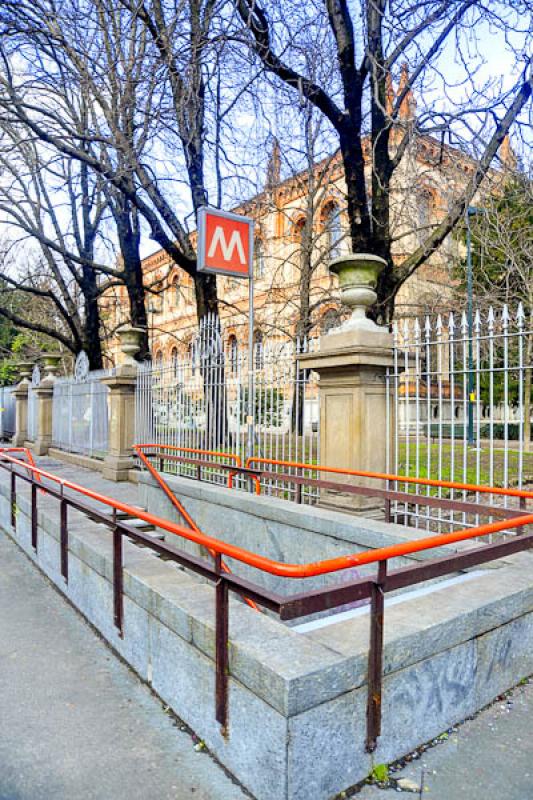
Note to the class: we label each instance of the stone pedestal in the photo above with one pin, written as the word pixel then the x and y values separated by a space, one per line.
pixel 356 421
pixel 354 409
pixel 121 410
pixel 45 395
pixel 21 413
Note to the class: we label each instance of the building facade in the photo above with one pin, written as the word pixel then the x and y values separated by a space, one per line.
pixel 300 225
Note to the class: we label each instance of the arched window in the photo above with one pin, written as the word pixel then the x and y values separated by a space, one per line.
pixel 426 212
pixel 174 294
pixel 302 239
pixel 333 229
pixel 192 355
pixel 174 360
pixel 259 259
pixel 297 229
pixel 158 358
pixel 233 353
pixel 329 320
pixel 258 350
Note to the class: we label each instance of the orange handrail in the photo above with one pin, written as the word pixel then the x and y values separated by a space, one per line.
pixel 27 452
pixel 171 496
pixel 276 567
pixel 216 453
pixel 255 478
pixel 199 451
pixel 138 448
pixel 469 487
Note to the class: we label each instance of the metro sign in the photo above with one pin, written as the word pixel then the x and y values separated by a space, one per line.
pixel 225 243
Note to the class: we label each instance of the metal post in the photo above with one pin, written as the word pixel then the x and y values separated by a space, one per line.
pixel 118 596
pixel 470 212
pixel 221 647
pixel 13 499
pixel 91 416
pixel 469 289
pixel 250 409
pixel 63 535
pixel 375 659
pixel 33 514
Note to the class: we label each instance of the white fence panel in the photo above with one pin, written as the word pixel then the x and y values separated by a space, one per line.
pixel 33 410
pixel 7 413
pixel 80 414
pixel 200 400
pixel 461 408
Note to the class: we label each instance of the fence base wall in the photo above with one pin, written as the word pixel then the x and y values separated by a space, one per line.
pixel 296 702
pixel 279 529
pixel 96 464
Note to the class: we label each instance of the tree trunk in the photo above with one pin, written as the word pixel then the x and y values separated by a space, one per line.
pixel 356 200
pixel 129 239
pixel 92 343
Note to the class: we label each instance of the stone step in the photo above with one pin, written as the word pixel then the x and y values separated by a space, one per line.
pixel 138 524
pixel 125 515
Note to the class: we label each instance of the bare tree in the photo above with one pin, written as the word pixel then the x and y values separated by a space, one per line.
pixel 62 268
pixel 369 39
pixel 125 57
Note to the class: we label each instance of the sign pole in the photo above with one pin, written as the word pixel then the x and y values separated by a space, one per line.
pixel 226 247
pixel 250 409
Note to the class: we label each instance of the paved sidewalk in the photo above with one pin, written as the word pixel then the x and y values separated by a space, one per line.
pixel 489 757
pixel 75 723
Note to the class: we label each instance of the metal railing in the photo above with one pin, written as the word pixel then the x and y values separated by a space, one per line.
pixel 80 414
pixel 290 607
pixel 290 478
pixel 33 405
pixel 460 408
pixel 200 400
pixel 8 412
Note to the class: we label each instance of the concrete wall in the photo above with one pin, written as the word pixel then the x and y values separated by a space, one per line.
pixel 296 702
pixel 278 529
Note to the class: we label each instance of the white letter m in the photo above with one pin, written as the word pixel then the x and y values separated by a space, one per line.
pixel 235 241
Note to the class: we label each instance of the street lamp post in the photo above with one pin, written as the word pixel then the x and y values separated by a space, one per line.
pixel 470 212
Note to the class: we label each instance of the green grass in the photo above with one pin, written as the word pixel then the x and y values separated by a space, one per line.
pixel 451 464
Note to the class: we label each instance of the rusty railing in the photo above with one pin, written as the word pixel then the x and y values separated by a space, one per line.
pixel 293 606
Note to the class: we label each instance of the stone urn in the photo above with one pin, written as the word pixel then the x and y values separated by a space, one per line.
pixel 51 363
pixel 358 276
pixel 25 369
pixel 130 343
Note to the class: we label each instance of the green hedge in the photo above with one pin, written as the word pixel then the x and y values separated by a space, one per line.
pixel 461 431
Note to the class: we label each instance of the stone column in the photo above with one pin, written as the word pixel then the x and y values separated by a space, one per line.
pixel 121 408
pixel 45 398
pixel 21 404
pixel 356 415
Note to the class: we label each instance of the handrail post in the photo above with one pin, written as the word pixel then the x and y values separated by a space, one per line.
pixel 118 578
pixel 388 505
pixel 63 534
pixel 13 498
pixel 221 647
pixel 33 513
pixel 375 659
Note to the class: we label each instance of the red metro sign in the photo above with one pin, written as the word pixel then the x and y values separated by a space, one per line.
pixel 225 243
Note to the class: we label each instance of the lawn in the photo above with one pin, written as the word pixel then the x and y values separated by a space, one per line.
pixel 450 466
